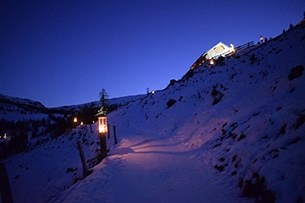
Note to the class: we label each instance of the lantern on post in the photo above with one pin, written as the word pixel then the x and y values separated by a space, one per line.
pixel 102 129
pixel 261 39
pixel 75 121
pixel 102 124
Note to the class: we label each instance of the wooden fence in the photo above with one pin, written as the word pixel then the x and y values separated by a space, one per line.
pixel 244 46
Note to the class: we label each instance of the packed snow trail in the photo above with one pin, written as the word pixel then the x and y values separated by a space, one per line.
pixel 156 170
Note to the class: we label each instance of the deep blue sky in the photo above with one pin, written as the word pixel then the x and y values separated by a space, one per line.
pixel 64 52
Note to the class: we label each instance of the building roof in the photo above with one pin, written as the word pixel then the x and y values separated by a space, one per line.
pixel 218 50
pixel 215 52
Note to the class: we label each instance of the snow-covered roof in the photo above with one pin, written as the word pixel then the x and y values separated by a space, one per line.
pixel 218 50
pixel 215 52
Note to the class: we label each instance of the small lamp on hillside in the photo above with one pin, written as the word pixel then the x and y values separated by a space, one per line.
pixel 75 121
pixel 261 39
pixel 102 124
pixel 212 62
pixel 102 130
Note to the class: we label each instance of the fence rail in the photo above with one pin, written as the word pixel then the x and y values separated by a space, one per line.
pixel 244 46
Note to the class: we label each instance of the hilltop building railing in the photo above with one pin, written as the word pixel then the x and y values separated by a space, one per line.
pixel 201 60
pixel 244 46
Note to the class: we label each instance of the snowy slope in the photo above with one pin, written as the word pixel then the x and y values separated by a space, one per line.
pixel 14 108
pixel 11 108
pixel 25 124
pixel 257 127
pixel 219 133
pixel 41 174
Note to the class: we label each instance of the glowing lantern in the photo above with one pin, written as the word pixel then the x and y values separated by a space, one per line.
pixel 153 92
pixel 102 124
pixel 75 119
pixel 102 129
pixel 212 62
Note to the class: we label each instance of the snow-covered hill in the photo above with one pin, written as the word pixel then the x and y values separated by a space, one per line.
pixel 11 108
pixel 25 124
pixel 245 118
pixel 14 108
pixel 218 133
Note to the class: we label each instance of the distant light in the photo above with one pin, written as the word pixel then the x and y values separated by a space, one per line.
pixel 232 48
pixel 5 136
pixel 75 120
pixel 82 123
pixel 153 92
pixel 212 62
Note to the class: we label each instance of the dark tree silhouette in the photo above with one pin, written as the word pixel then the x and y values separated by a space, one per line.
pixel 87 115
pixel 103 97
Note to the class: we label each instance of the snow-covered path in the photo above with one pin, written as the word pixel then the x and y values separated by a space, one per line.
pixel 156 170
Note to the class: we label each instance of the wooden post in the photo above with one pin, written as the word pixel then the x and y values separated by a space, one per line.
pixel 82 157
pixel 5 189
pixel 103 146
pixel 108 127
pixel 114 135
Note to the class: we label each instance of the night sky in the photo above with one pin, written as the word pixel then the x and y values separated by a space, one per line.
pixel 63 52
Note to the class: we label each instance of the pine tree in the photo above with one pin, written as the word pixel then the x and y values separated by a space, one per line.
pixel 103 97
